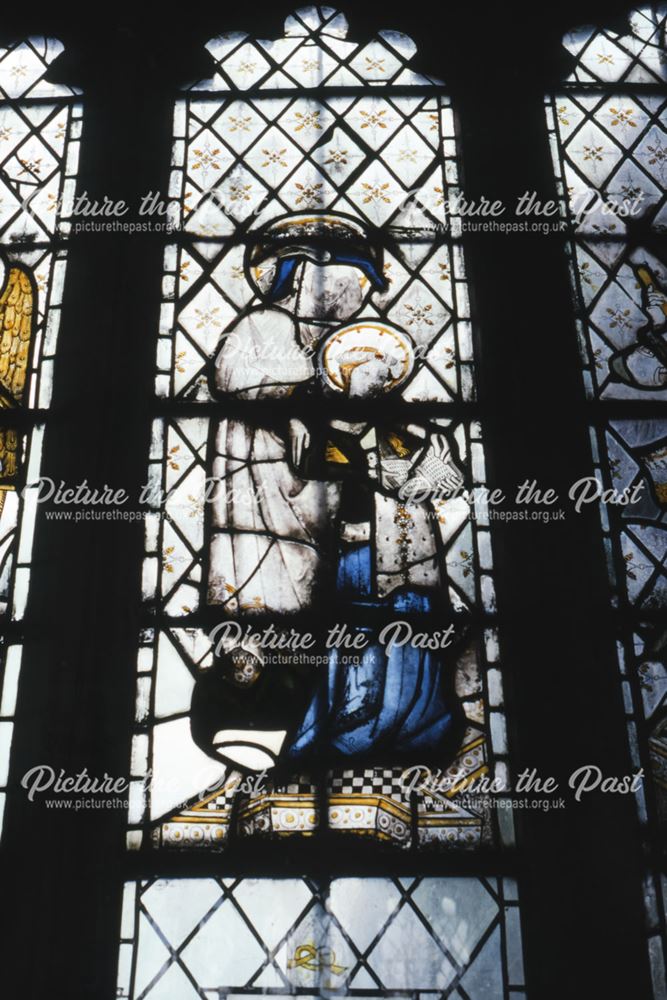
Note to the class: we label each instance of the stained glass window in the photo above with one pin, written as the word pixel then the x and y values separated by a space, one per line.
pixel 314 234
pixel 40 125
pixel 319 655
pixel 609 147
pixel 294 643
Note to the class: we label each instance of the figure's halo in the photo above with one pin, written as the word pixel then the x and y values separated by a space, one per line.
pixel 353 345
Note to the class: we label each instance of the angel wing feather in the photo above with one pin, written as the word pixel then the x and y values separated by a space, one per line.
pixel 16 326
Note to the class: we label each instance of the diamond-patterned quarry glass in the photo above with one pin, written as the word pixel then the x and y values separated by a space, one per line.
pixel 370 937
pixel 610 154
pixel 40 126
pixel 609 147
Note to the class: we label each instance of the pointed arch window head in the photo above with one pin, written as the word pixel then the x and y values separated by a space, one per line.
pixel 40 123
pixel 40 127
pixel 317 160
pixel 314 52
pixel 636 57
pixel 24 66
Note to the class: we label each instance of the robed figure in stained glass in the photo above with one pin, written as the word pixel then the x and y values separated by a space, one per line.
pixel 349 512
pixel 316 326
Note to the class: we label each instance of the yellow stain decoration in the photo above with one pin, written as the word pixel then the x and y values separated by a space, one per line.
pixel 16 326
pixel 8 449
pixel 646 276
pixel 334 454
pixel 16 311
pixel 307 956
pixel 398 445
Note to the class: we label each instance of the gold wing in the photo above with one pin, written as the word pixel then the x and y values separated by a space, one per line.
pixel 17 303
pixel 16 326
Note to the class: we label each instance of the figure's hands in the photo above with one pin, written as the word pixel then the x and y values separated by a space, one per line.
pixel 655 302
pixel 435 475
pixel 299 441
pixel 639 367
